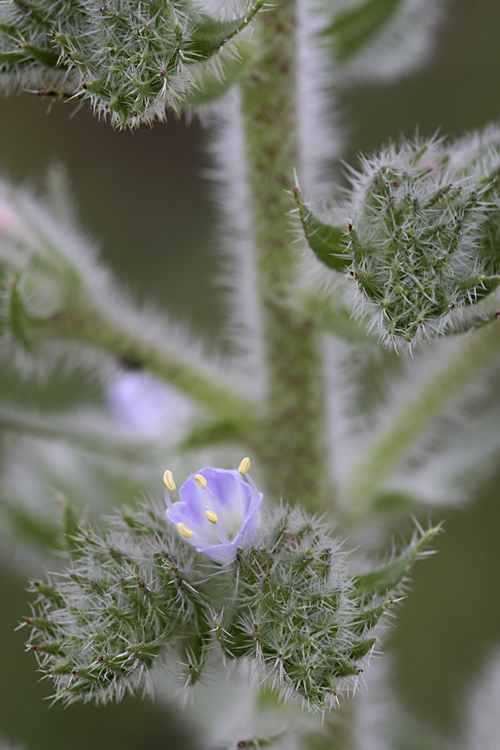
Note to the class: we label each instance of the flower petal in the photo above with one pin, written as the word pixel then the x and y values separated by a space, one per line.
pixel 223 515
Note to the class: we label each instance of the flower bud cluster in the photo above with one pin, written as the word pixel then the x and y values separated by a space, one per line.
pixel 130 59
pixel 138 593
pixel 98 629
pixel 423 230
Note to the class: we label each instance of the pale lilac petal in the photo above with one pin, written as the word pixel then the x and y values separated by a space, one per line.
pixel 193 500
pixel 250 526
pixel 204 531
pixel 236 504
pixel 229 487
pixel 221 553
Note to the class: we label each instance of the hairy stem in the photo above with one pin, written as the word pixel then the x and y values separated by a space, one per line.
pixel 293 439
pixel 69 429
pixel 395 442
pixel 205 389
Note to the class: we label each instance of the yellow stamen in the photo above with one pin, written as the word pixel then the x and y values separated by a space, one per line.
pixel 244 466
pixel 212 517
pixel 200 479
pixel 184 531
pixel 168 479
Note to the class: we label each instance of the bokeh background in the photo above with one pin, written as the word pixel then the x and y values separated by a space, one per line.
pixel 143 197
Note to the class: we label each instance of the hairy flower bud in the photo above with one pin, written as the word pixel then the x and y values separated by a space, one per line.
pixel 130 59
pixel 422 234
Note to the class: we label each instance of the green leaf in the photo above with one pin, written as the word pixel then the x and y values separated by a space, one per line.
pixel 22 325
pixel 360 650
pixel 12 58
pixel 386 579
pixel 327 243
pixel 51 647
pixel 63 668
pixel 354 28
pixel 212 34
pixel 9 29
pixel 41 624
pixel 44 56
pixel 344 669
pixel 48 592
pixel 367 620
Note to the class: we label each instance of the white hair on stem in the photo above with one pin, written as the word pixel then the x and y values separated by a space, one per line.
pixel 321 136
pixel 238 278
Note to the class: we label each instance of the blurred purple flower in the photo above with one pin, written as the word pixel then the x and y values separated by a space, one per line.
pixel 218 513
pixel 147 407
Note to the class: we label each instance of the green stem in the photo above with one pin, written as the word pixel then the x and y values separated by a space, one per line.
pixel 293 439
pixel 96 329
pixel 48 427
pixel 334 316
pixel 395 442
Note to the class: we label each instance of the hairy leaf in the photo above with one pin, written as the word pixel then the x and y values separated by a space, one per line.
pixel 327 242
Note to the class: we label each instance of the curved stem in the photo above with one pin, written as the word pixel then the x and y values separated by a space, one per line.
pixel 205 389
pixel 396 440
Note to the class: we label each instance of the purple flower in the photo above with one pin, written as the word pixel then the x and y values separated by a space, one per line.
pixel 218 511
pixel 145 407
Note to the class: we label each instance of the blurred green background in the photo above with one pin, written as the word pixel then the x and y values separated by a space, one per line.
pixel 143 198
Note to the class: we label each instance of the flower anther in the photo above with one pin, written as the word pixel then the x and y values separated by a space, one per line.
pixel 168 479
pixel 218 511
pixel 244 466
